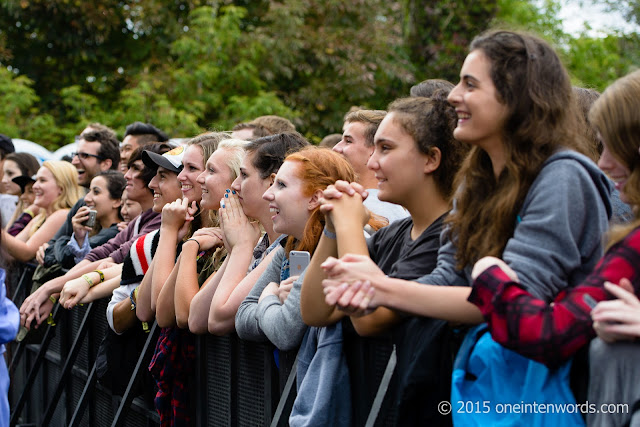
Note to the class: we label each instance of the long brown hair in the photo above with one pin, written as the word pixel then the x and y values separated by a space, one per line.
pixel 615 116
pixel 532 82
pixel 319 168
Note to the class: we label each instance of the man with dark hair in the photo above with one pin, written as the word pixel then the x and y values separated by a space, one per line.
pixel 356 146
pixel 98 150
pixel 102 128
pixel 136 135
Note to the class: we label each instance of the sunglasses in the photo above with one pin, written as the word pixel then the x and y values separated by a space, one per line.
pixel 85 156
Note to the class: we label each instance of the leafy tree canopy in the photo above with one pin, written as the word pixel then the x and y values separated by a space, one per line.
pixel 193 65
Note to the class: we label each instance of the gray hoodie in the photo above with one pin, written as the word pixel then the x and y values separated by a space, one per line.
pixel 269 320
pixel 558 238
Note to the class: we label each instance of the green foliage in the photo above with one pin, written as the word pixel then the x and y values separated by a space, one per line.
pixel 592 61
pixel 528 16
pixel 192 65
pixel 17 99
pixel 326 56
pixel 439 32
pixel 596 62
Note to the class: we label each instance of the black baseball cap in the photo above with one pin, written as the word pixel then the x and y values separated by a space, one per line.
pixel 23 180
pixel 171 160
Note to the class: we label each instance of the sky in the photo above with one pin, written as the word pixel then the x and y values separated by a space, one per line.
pixel 575 12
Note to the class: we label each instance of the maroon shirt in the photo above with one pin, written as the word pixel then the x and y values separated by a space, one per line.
pixel 20 223
pixel 118 247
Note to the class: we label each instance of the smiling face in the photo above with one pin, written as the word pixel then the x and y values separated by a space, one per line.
pixel 290 207
pixel 99 199
pixel 45 188
pixel 136 187
pixel 28 196
pixel 10 170
pixel 615 169
pixel 128 146
pixel 166 188
pixel 89 166
pixel 250 188
pixel 215 179
pixel 481 117
pixel 396 162
pixel 353 146
pixel 129 209
pixel 193 163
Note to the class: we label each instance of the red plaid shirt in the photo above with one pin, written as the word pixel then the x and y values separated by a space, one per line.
pixel 552 333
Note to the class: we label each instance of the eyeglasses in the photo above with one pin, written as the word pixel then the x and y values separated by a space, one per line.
pixel 85 156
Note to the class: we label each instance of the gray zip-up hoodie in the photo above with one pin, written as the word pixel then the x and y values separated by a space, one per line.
pixel 558 238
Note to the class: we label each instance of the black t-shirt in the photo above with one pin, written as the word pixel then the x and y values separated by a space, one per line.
pixel 398 256
pixel 392 249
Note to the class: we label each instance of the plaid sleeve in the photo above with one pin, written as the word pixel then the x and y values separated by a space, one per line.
pixel 551 332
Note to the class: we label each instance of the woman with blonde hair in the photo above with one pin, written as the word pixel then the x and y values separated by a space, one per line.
pixel 57 190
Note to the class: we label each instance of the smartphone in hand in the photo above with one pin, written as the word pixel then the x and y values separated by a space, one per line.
pixel 298 262
pixel 91 221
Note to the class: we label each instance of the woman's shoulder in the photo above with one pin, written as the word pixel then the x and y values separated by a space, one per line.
pixel 60 213
pixel 568 177
pixel 568 163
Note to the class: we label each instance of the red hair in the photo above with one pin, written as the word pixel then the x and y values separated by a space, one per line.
pixel 319 168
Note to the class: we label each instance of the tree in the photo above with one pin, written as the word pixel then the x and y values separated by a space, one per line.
pixel 438 33
pixel 326 56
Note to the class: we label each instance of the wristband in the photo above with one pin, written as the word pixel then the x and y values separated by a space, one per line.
pixel 329 234
pixel 88 280
pixel 194 240
pixel 101 275
pixel 53 299
pixel 133 301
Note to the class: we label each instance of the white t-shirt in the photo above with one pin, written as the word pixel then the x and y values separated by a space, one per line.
pixel 391 211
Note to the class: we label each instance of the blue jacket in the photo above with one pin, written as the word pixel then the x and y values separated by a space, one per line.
pixel 9 325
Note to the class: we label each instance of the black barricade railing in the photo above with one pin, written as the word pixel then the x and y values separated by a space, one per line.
pixel 236 382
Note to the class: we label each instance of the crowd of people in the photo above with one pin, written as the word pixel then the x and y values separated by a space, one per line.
pixel 463 225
